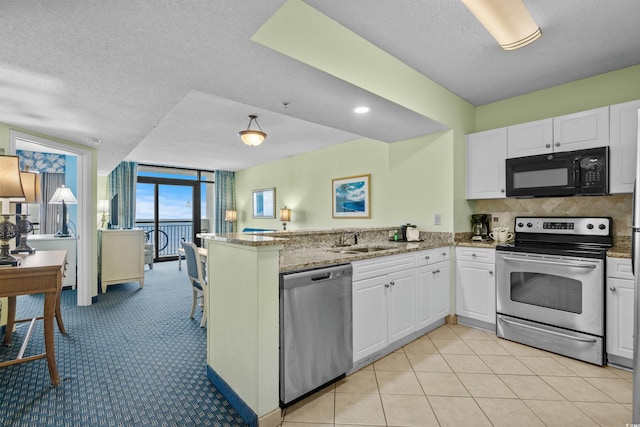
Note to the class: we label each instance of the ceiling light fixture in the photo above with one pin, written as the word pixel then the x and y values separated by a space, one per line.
pixel 361 110
pixel 252 137
pixel 508 21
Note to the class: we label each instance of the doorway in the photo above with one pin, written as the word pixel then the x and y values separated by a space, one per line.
pixel 87 283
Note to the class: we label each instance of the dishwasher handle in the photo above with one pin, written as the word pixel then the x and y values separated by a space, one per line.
pixel 319 277
pixel 296 279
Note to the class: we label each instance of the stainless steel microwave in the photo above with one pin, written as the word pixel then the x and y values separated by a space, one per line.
pixel 570 173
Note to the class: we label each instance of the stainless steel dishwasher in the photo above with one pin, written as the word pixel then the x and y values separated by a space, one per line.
pixel 315 329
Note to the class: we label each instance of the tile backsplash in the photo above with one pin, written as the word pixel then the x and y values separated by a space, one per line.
pixel 616 206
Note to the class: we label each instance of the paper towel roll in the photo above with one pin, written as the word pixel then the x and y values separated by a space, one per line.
pixel 413 235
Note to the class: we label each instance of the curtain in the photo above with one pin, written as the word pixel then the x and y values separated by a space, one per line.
pixel 49 213
pixel 122 181
pixel 225 199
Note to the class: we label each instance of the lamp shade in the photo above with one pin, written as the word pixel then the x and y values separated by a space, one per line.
pixel 285 214
pixel 103 206
pixel 63 194
pixel 231 215
pixel 508 21
pixel 10 182
pixel 31 187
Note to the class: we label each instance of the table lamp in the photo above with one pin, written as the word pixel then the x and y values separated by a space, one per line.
pixel 285 216
pixel 10 191
pixel 32 194
pixel 103 208
pixel 231 216
pixel 63 196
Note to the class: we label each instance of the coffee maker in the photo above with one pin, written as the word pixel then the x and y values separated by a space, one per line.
pixel 480 227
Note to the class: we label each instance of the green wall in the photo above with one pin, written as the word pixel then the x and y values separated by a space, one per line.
pixel 598 91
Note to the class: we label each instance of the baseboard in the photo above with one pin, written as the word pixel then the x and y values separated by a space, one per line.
pixel 272 419
pixel 245 412
pixel 479 324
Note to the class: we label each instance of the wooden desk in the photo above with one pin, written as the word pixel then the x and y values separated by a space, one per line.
pixel 39 273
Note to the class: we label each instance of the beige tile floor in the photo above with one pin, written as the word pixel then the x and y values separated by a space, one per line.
pixel 460 376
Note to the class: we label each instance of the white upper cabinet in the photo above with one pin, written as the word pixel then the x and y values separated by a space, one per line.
pixel 530 138
pixel 486 154
pixel 623 143
pixel 579 131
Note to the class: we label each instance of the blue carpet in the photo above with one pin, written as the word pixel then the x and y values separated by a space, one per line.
pixel 134 358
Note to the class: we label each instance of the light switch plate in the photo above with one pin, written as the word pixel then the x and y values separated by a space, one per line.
pixel 436 219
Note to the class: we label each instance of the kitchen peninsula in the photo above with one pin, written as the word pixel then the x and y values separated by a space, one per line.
pixel 243 297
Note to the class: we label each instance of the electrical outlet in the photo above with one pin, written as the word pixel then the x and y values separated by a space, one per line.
pixel 436 219
pixel 496 219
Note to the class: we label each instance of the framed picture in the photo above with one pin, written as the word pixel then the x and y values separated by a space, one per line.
pixel 264 203
pixel 352 197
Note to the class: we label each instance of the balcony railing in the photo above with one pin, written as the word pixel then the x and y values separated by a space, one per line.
pixel 170 234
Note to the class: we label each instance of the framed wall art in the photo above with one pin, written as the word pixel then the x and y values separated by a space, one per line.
pixel 264 203
pixel 352 197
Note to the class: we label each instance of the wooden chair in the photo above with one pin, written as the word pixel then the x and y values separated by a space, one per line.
pixel 195 271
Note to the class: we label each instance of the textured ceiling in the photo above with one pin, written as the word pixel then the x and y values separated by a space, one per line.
pixel 165 82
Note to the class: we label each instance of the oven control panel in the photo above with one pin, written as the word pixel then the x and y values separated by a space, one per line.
pixel 594 226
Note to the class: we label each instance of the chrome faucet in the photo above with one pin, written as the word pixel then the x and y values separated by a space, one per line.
pixel 343 238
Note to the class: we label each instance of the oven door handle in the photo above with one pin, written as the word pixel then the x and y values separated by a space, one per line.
pixel 550 262
pixel 548 331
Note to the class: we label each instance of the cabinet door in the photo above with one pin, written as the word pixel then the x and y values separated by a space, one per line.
pixel 623 143
pixel 369 316
pixel 530 138
pixel 401 304
pixel 620 317
pixel 442 288
pixel 577 131
pixel 476 291
pixel 486 154
pixel 425 295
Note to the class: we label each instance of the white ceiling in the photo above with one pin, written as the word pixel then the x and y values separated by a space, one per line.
pixel 166 82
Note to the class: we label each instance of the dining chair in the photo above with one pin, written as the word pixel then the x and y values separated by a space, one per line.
pixel 195 271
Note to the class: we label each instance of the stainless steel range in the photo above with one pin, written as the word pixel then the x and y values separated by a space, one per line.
pixel 550 285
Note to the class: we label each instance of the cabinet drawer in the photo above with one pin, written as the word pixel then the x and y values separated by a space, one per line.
pixel 432 256
pixel 619 268
pixel 475 254
pixel 375 267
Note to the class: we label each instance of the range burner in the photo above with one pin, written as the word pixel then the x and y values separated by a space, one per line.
pixel 588 237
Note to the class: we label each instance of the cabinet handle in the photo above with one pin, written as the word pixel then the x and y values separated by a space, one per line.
pixel 502 190
pixel 438 271
pixel 393 283
pixel 444 254
pixel 490 271
pixel 557 144
pixel 386 285
pixel 427 257
pixel 612 288
pixel 547 145
pixel 473 255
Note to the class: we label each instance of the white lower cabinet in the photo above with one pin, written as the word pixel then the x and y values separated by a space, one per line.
pixel 433 290
pixel 392 298
pixel 619 304
pixel 476 284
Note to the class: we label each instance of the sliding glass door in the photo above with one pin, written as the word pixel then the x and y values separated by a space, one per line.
pixel 171 207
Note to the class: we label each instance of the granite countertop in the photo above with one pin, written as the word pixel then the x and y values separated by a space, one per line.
pixel 298 259
pixel 242 239
pixel 619 252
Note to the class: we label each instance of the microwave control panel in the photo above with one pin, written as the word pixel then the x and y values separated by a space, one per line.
pixel 593 171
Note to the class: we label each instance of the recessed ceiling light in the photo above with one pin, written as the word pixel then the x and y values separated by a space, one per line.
pixel 361 110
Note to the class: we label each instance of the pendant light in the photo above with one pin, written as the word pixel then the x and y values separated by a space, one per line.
pixel 252 137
